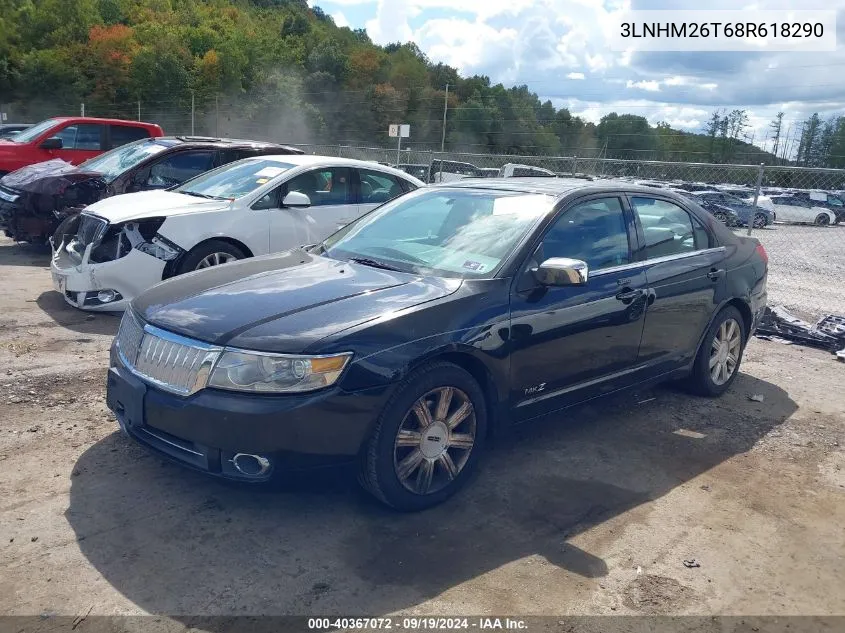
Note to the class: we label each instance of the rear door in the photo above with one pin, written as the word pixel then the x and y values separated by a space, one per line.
pixel 375 188
pixel 123 134
pixel 573 343
pixel 80 141
pixel 686 277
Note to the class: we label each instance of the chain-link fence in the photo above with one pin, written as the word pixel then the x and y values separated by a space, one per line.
pixel 799 217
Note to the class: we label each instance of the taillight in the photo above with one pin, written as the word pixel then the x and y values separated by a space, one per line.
pixel 763 254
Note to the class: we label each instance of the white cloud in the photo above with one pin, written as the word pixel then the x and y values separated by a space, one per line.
pixel 650 86
pixel 340 19
pixel 575 76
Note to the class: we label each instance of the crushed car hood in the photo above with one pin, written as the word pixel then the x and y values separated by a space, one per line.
pixel 282 303
pixel 50 177
pixel 146 204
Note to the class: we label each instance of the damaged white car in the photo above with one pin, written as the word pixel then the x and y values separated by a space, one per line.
pixel 121 246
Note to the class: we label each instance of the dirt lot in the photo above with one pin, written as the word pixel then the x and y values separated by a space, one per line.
pixel 590 513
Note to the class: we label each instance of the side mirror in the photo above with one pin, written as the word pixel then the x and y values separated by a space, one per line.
pixel 562 271
pixel 296 200
pixel 54 142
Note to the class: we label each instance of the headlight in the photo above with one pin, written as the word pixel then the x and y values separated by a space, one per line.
pixel 276 373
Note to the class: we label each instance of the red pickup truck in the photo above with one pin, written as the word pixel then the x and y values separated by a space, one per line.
pixel 73 139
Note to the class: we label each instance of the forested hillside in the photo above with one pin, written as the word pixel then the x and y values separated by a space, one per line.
pixel 277 69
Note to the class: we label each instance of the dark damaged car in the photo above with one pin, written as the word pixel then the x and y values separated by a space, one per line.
pixel 36 198
pixel 451 313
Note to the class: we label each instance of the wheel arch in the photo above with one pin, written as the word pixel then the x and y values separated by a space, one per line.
pixel 174 264
pixel 476 368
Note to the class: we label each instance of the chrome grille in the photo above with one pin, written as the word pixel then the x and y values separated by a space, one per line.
pixel 171 362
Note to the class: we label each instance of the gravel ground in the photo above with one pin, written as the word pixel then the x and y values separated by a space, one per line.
pixel 806 267
pixel 591 512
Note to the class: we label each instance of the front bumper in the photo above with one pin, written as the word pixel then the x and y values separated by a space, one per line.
pixel 207 429
pixel 80 283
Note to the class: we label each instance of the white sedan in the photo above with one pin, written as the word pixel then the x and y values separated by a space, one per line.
pixel 791 208
pixel 122 245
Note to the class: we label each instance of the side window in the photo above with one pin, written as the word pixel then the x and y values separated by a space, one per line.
pixel 177 168
pixel 378 187
pixel 123 134
pixel 668 228
pixel 81 136
pixel 327 186
pixel 594 231
pixel 834 201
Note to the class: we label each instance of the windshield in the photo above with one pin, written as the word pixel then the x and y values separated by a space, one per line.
pixel 460 233
pixel 34 132
pixel 236 179
pixel 113 163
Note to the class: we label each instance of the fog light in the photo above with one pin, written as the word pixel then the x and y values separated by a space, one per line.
pixel 106 296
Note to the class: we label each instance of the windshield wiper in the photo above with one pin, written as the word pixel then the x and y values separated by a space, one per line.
pixel 373 263
pixel 201 195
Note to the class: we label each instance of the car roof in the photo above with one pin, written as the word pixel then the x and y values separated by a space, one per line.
pixel 311 160
pixel 91 119
pixel 206 141
pixel 556 187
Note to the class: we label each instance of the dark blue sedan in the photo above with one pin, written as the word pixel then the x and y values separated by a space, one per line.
pixel 719 202
pixel 409 337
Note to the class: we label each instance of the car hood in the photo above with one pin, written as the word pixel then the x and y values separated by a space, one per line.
pixel 283 303
pixel 50 177
pixel 145 204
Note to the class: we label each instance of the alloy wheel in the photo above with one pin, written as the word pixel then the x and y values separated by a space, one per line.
pixel 822 220
pixel 724 353
pixel 215 259
pixel 721 217
pixel 759 221
pixel 434 441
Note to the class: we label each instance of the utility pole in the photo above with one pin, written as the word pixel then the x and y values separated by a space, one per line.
pixel 82 110
pixel 139 109
pixel 445 108
pixel 192 113
pixel 216 116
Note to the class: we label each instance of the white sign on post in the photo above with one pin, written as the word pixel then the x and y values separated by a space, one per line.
pixel 399 131
pixel 4 116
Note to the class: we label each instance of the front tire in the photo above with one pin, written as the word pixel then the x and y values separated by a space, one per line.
pixel 427 440
pixel 759 221
pixel 722 217
pixel 717 362
pixel 822 220
pixel 208 254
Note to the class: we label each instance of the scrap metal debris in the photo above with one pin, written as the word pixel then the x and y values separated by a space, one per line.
pixel 757 397
pixel 828 333
pixel 689 564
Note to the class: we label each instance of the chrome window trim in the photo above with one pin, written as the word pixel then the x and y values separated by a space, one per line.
pixel 656 260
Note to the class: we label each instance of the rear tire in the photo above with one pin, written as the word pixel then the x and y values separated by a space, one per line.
pixel 721 217
pixel 717 363
pixel 426 444
pixel 822 219
pixel 210 253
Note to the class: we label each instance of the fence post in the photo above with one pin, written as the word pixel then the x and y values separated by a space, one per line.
pixel 430 161
pixel 574 165
pixel 756 195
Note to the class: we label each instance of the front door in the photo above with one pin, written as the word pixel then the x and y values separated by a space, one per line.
pixel 332 203
pixel 80 141
pixel 572 343
pixel 686 278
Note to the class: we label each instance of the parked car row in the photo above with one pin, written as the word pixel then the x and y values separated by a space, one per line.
pixel 448 170
pixel 733 204
pixel 283 310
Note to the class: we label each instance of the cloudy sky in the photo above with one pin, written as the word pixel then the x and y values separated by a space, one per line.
pixel 561 50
